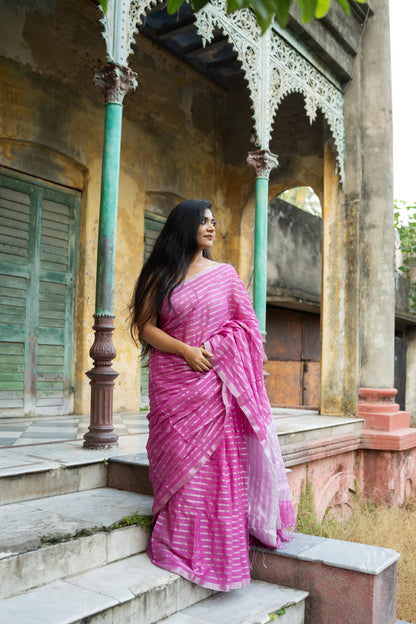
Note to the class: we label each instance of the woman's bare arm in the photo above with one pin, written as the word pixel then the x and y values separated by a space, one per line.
pixel 198 358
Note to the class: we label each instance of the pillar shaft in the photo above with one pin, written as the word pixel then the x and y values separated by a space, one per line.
pixel 115 81
pixel 263 162
pixel 106 252
pixel 260 252
pixel 377 286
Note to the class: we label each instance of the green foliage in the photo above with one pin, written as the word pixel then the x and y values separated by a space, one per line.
pixel 265 10
pixel 405 223
pixel 303 197
pixel 135 518
pixel 275 614
pixel 306 521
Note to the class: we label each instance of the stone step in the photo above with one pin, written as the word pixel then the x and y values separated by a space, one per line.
pixel 36 471
pixel 130 591
pixel 47 539
pixel 257 603
pixel 307 426
pixel 130 472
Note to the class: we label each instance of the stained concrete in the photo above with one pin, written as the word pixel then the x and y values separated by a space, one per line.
pixel 340 554
pixel 131 590
pixel 250 605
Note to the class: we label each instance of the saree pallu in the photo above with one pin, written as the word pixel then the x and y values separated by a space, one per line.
pixel 215 462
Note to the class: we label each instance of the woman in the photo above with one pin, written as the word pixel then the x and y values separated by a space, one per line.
pixel 215 463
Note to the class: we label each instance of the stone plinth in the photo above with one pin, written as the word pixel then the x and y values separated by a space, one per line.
pixel 386 426
pixel 346 582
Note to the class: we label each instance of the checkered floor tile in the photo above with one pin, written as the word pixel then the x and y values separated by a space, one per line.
pixel 20 431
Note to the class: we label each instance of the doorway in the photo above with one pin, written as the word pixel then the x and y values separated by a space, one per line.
pixel 39 225
pixel 293 348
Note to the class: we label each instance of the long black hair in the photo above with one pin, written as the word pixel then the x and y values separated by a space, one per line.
pixel 167 265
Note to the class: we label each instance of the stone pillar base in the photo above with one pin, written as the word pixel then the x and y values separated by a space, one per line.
pixel 101 434
pixel 389 447
pixel 386 426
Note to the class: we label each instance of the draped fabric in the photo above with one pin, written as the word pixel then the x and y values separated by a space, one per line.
pixel 215 463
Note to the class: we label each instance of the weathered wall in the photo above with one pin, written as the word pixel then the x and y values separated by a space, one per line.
pixel 184 137
pixel 328 484
pixel 331 478
pixel 171 143
pixel 294 252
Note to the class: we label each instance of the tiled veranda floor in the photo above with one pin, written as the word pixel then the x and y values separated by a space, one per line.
pixel 22 431
pixel 291 425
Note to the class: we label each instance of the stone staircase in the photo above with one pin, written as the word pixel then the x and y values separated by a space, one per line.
pixel 79 556
pixel 72 551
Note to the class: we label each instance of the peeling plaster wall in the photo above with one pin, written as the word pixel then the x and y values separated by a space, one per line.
pixel 51 127
pixel 182 137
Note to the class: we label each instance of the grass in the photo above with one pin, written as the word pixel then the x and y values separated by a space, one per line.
pixel 389 527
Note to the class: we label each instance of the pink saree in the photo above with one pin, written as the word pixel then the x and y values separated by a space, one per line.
pixel 215 462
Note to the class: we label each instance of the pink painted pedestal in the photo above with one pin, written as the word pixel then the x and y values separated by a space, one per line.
pixel 389 446
pixel 386 427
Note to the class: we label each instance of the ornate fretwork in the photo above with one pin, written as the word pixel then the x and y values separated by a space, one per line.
pixel 273 69
pixel 121 22
pixel 115 81
pixel 263 162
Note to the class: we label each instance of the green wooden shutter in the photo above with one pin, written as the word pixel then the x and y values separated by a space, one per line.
pixel 152 226
pixel 15 277
pixel 37 271
pixel 56 300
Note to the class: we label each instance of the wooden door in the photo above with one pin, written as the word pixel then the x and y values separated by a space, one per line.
pixel 38 252
pixel 400 358
pixel 293 350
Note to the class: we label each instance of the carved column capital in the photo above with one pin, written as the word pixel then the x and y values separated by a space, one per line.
pixel 263 162
pixel 115 81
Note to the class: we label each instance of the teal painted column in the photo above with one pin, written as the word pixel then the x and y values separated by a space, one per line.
pixel 263 162
pixel 260 251
pixel 107 233
pixel 115 81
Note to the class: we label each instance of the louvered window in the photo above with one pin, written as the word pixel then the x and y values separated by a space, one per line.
pixel 38 249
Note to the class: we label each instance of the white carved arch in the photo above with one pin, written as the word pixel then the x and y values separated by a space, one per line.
pixel 121 23
pixel 273 68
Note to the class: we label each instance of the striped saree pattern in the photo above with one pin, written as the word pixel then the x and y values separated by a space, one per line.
pixel 215 462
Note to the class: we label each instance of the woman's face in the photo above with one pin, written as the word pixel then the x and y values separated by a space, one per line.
pixel 206 231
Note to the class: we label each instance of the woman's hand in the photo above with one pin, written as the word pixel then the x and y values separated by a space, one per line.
pixel 198 358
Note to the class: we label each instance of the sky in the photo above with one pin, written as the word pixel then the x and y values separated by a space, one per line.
pixel 403 54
